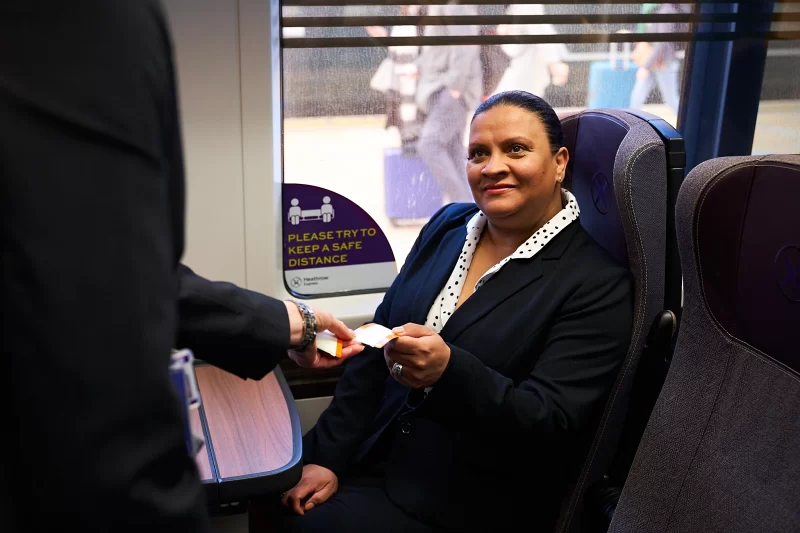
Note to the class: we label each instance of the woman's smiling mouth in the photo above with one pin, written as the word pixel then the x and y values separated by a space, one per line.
pixel 498 188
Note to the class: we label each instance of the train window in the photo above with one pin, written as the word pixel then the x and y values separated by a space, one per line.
pixel 377 98
pixel 779 107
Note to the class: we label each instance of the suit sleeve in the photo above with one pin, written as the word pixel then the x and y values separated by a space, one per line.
pixel 571 379
pixel 343 426
pixel 241 331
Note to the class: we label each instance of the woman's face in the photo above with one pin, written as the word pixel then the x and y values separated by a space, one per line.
pixel 510 168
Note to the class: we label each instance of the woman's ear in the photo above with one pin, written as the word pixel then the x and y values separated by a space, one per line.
pixel 561 158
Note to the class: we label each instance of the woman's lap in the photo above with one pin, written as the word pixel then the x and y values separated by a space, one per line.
pixel 359 505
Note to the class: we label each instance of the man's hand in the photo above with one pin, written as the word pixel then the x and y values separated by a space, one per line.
pixel 317 484
pixel 423 354
pixel 455 94
pixel 642 74
pixel 311 357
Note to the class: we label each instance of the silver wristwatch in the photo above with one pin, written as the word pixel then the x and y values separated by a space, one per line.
pixel 309 327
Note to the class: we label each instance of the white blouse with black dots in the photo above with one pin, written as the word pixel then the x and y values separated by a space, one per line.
pixel 445 303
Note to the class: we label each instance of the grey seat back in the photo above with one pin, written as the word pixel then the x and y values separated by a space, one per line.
pixel 720 452
pixel 618 173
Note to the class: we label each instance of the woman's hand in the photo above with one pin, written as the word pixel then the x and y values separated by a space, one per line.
pixel 422 353
pixel 317 484
pixel 311 357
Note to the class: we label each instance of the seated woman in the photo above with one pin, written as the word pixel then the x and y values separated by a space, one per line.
pixel 513 323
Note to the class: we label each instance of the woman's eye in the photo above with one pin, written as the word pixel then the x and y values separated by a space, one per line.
pixel 517 148
pixel 476 153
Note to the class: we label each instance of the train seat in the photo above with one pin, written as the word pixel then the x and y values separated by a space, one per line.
pixel 719 453
pixel 625 170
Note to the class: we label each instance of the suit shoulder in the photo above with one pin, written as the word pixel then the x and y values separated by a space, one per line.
pixel 449 217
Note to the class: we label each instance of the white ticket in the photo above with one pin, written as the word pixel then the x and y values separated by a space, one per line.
pixel 328 342
pixel 374 335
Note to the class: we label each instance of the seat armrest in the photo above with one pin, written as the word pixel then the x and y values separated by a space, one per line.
pixel 650 375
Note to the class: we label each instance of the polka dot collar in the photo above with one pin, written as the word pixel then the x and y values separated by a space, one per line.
pixel 445 303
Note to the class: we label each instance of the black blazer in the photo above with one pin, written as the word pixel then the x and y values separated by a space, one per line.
pixel 241 331
pixel 91 233
pixel 534 354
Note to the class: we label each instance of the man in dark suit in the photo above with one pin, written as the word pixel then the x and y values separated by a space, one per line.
pixel 92 208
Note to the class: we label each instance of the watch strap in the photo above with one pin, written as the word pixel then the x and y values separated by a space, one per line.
pixel 309 327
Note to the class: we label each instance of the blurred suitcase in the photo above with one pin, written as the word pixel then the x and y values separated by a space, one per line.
pixel 611 82
pixel 411 193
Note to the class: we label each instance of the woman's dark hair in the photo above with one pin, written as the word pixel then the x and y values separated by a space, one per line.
pixel 534 104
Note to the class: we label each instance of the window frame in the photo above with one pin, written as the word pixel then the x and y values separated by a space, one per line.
pixel 261 103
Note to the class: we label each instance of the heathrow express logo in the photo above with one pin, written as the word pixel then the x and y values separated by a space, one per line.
pixel 600 189
pixel 787 272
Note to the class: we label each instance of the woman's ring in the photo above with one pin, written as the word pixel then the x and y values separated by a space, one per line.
pixel 397 368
